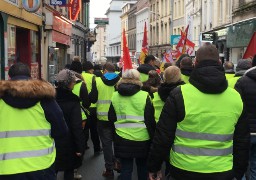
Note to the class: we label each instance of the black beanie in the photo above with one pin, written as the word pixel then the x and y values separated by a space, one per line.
pixel 87 65
pixel 76 66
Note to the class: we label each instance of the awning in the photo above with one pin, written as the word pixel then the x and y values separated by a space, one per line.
pixel 21 23
pixel 60 38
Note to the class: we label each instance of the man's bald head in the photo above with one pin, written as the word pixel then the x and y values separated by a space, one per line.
pixel 207 52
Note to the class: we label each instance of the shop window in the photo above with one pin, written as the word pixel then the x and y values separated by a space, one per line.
pixel 11 31
pixel 34 54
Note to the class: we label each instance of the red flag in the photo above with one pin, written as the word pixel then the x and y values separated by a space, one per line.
pixel 144 49
pixel 251 48
pixel 127 62
pixel 189 47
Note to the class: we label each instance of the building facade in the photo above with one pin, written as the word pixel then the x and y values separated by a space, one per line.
pixel 160 26
pixel 20 36
pixel 99 47
pixel 142 17
pixel 132 32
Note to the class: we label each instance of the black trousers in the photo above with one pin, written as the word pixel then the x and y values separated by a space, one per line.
pixel 91 124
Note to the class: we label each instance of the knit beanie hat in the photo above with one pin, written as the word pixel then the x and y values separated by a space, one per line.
pixel 172 74
pixel 76 66
pixel 64 78
pixel 87 65
pixel 243 64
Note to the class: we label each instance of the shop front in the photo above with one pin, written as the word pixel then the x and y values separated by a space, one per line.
pixel 239 36
pixel 20 25
pixel 59 41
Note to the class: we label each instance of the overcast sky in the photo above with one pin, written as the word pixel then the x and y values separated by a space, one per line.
pixel 97 9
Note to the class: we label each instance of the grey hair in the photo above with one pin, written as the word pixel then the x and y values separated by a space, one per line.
pixel 131 74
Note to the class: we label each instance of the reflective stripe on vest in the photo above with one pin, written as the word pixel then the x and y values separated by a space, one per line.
pixel 130 125
pixel 88 80
pixel 24 133
pixel 119 117
pixel 25 142
pixel 104 99
pixel 26 154
pixel 158 105
pixel 76 90
pixel 202 151
pixel 130 116
pixel 204 138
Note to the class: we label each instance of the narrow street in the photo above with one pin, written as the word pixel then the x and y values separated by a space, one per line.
pixel 93 167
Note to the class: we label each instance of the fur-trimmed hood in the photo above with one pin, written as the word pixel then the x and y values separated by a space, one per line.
pixel 27 89
pixel 128 87
pixel 25 93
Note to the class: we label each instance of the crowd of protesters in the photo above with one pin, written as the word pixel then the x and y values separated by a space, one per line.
pixel 196 116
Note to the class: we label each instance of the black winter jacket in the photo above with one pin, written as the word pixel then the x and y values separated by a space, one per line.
pixel 124 148
pixel 67 147
pixel 208 77
pixel 145 68
pixel 246 86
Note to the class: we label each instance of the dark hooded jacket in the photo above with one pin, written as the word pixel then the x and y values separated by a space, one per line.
pixel 145 68
pixel 246 86
pixel 126 148
pixel 208 77
pixel 165 89
pixel 74 142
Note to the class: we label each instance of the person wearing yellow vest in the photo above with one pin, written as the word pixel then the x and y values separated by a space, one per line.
pixel 91 125
pixel 105 89
pixel 132 114
pixel 203 126
pixel 146 67
pixel 30 122
pixel 229 69
pixel 186 67
pixel 70 149
pixel 242 66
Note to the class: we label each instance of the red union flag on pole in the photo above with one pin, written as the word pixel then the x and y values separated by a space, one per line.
pixel 144 49
pixel 74 9
pixel 127 62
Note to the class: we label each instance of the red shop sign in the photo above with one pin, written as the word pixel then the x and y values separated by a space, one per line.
pixel 74 9
pixel 60 38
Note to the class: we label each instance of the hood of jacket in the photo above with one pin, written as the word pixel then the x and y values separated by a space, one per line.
pixel 165 89
pixel 186 71
pixel 128 87
pixel 25 93
pixel 209 77
pixel 251 73
pixel 110 81
pixel 145 68
pixel 64 95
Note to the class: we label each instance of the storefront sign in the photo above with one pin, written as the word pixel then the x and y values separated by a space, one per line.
pixel 31 5
pixel 60 38
pixel 102 21
pixel 207 36
pixel 58 2
pixel 74 9
pixel 61 25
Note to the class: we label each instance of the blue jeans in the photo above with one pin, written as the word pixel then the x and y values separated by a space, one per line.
pixel 127 167
pixel 253 158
